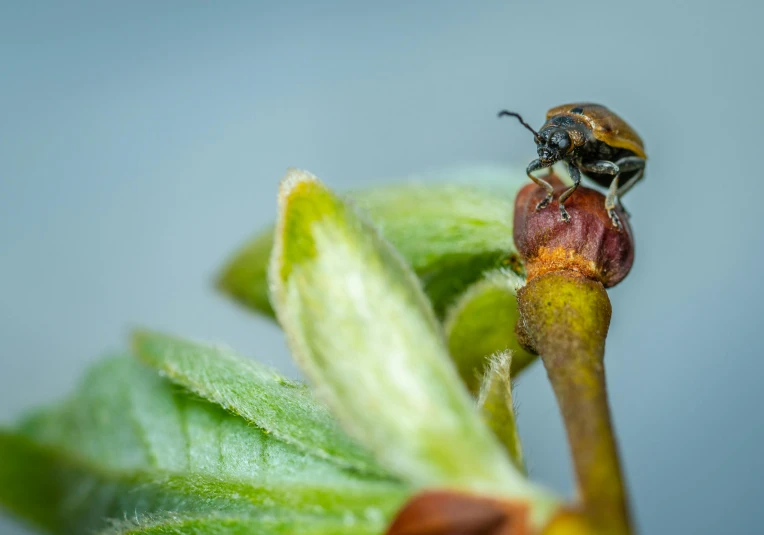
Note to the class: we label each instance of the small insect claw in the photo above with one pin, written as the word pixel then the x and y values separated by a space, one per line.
pixel 564 214
pixel 543 204
pixel 615 219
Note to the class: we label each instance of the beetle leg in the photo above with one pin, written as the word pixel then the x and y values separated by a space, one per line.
pixel 609 168
pixel 602 167
pixel 631 163
pixel 575 174
pixel 611 200
pixel 535 165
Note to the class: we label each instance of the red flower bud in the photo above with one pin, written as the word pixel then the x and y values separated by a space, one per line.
pixel 588 244
pixel 447 512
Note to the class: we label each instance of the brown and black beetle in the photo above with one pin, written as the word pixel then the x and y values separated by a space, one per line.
pixel 593 140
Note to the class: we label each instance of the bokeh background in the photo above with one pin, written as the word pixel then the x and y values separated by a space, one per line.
pixel 142 142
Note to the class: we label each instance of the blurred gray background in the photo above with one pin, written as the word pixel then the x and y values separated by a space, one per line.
pixel 142 142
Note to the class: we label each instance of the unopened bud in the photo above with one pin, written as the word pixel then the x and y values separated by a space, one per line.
pixel 448 512
pixel 588 244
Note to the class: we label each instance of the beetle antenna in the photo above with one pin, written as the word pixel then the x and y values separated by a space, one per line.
pixel 505 113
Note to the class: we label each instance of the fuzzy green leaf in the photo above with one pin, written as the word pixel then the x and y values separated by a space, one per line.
pixel 495 402
pixel 450 233
pixel 129 444
pixel 216 524
pixel 244 278
pixel 284 408
pixel 363 331
pixel 482 323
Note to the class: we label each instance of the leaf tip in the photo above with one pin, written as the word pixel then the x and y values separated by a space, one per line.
pixel 141 340
pixel 294 180
pixel 303 201
pixel 242 278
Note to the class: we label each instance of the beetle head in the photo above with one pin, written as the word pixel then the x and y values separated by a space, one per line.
pixel 554 144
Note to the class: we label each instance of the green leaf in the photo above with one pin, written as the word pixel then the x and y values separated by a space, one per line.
pixel 362 330
pixel 244 278
pixel 449 233
pixel 129 444
pixel 281 407
pixel 482 323
pixel 495 402
pixel 26 488
pixel 215 524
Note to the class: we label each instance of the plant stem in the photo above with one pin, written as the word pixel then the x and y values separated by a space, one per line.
pixel 565 318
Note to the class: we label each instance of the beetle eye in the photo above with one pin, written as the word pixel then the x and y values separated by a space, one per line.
pixel 562 141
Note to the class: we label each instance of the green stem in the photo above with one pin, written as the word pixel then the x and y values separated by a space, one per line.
pixel 565 317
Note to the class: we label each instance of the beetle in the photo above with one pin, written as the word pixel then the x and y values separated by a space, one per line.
pixel 590 139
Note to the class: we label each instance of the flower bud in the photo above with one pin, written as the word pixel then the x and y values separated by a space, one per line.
pixel 588 244
pixel 447 512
